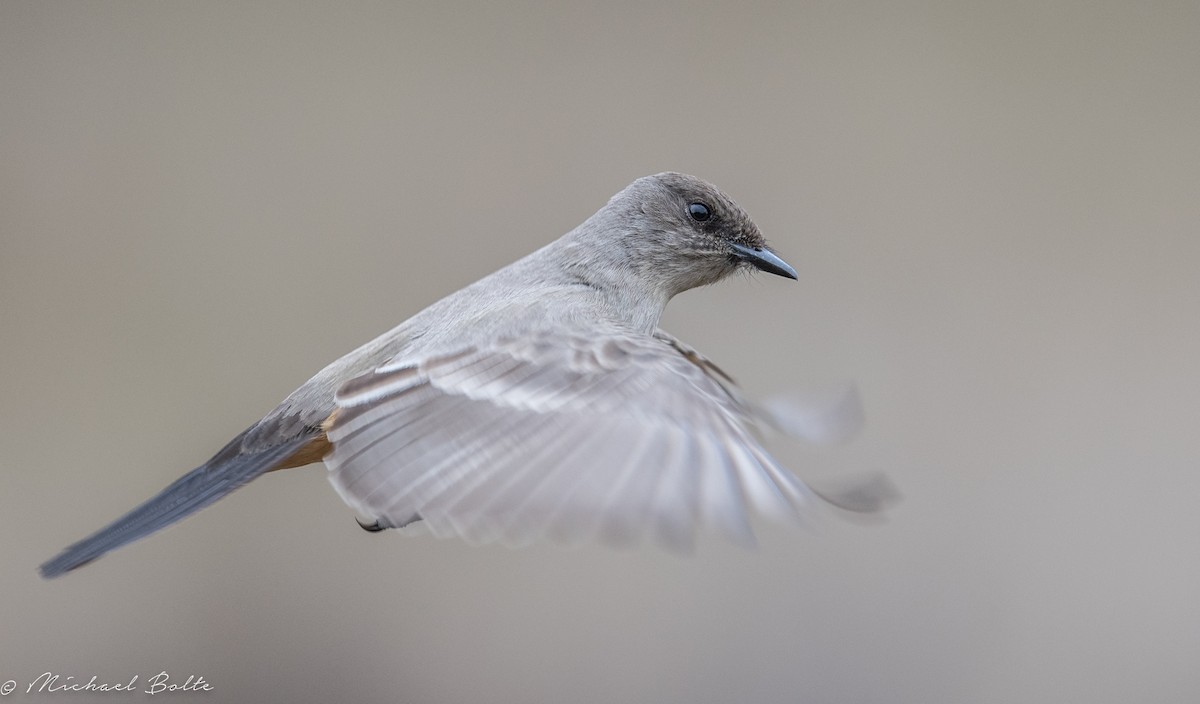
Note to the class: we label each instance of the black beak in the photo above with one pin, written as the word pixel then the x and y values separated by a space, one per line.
pixel 764 259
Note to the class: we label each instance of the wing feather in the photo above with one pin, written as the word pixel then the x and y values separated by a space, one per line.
pixel 675 502
pixel 568 438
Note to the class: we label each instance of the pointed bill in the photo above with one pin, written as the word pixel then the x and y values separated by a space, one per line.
pixel 764 259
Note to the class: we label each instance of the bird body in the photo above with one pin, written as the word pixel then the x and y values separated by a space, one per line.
pixel 540 401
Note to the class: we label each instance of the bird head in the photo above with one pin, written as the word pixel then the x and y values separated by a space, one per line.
pixel 684 232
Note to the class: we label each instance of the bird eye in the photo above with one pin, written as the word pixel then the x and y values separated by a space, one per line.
pixel 699 212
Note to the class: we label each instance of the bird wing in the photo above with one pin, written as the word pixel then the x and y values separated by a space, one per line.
pixel 565 437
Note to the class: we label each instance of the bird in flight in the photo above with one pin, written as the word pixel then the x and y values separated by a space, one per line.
pixel 542 401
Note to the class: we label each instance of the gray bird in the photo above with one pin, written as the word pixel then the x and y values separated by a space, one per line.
pixel 540 401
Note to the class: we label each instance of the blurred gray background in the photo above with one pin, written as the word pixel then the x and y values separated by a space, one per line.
pixel 995 210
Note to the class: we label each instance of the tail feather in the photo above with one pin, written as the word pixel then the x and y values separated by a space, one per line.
pixel 226 471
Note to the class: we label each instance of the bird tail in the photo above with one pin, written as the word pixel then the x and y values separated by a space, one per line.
pixel 229 469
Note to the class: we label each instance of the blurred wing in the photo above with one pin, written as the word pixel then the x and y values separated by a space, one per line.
pixel 568 438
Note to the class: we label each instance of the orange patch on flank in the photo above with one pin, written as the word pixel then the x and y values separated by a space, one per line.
pixel 312 452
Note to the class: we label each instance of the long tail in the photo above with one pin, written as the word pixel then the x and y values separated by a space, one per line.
pixel 226 471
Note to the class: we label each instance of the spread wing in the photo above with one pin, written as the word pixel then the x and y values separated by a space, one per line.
pixel 569 438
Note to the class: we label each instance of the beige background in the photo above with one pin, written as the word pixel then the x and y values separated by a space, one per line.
pixel 995 209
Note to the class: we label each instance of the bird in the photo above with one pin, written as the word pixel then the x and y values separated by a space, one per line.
pixel 542 401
